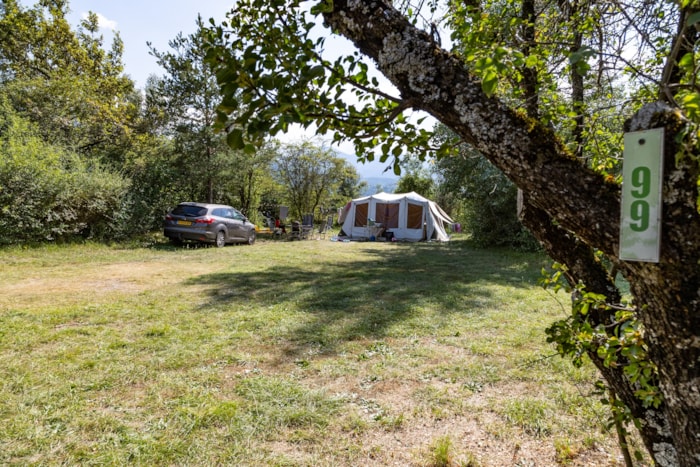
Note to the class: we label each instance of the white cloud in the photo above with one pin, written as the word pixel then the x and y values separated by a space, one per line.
pixel 103 22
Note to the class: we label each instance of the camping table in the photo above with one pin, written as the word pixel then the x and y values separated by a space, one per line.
pixel 373 230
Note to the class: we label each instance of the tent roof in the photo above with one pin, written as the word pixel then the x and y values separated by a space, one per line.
pixel 394 197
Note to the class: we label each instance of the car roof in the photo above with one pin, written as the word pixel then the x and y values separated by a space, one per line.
pixel 206 205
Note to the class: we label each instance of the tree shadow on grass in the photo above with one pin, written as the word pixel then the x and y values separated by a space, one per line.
pixel 340 302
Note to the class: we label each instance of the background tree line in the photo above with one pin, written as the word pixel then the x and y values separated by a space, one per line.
pixel 86 154
pixel 83 153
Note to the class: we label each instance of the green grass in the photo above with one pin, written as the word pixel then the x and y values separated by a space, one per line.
pixel 441 455
pixel 287 353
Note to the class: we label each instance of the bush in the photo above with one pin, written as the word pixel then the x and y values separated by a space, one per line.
pixel 491 219
pixel 48 193
pixel 488 198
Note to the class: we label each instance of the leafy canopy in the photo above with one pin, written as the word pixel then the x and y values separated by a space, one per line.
pixel 271 64
pixel 66 81
pixel 312 177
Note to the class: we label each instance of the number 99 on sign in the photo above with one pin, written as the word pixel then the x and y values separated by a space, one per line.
pixel 642 173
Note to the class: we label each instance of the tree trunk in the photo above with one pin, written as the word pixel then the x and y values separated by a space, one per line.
pixel 564 247
pixel 582 203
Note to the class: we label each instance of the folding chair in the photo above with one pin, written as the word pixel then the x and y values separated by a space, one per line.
pixel 295 233
pixel 307 225
pixel 325 227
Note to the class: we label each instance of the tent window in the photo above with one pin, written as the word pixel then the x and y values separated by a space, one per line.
pixel 388 215
pixel 415 216
pixel 361 214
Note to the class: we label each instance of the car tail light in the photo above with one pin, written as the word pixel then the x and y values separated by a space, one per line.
pixel 168 217
pixel 206 220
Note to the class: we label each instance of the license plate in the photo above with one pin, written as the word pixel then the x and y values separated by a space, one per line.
pixel 184 223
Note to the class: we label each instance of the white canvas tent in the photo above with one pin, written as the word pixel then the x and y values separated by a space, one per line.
pixel 408 216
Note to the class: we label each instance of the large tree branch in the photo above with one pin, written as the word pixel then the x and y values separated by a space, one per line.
pixel 527 152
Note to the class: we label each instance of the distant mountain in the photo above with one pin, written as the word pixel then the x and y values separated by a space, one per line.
pixel 387 185
pixel 374 173
pixel 374 169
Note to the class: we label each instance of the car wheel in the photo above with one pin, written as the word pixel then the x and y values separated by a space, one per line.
pixel 175 241
pixel 251 237
pixel 220 239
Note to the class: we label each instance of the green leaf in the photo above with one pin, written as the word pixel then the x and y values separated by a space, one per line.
pixel 582 68
pixel 694 18
pixel 235 139
pixel 532 61
pixel 489 83
pixel 687 61
pixel 315 72
pixel 584 308
pixel 324 6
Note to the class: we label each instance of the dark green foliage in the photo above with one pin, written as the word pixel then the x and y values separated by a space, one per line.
pixel 314 178
pixel 49 193
pixel 85 155
pixel 184 101
pixel 67 82
pixel 415 180
pixel 69 120
pixel 489 200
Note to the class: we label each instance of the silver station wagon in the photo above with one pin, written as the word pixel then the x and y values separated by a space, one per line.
pixel 208 223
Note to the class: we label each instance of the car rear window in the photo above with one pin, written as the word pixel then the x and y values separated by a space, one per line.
pixel 190 211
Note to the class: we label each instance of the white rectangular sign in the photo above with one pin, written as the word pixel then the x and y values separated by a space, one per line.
pixel 642 176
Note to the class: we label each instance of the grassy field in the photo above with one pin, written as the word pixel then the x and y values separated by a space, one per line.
pixel 306 353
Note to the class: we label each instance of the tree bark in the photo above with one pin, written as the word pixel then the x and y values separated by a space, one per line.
pixel 577 199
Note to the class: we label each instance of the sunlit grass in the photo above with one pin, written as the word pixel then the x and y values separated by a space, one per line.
pixel 285 353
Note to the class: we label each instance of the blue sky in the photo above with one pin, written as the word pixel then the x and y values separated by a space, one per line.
pixel 159 21
pixel 144 21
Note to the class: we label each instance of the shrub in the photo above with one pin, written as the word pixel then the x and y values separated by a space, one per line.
pixel 49 193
